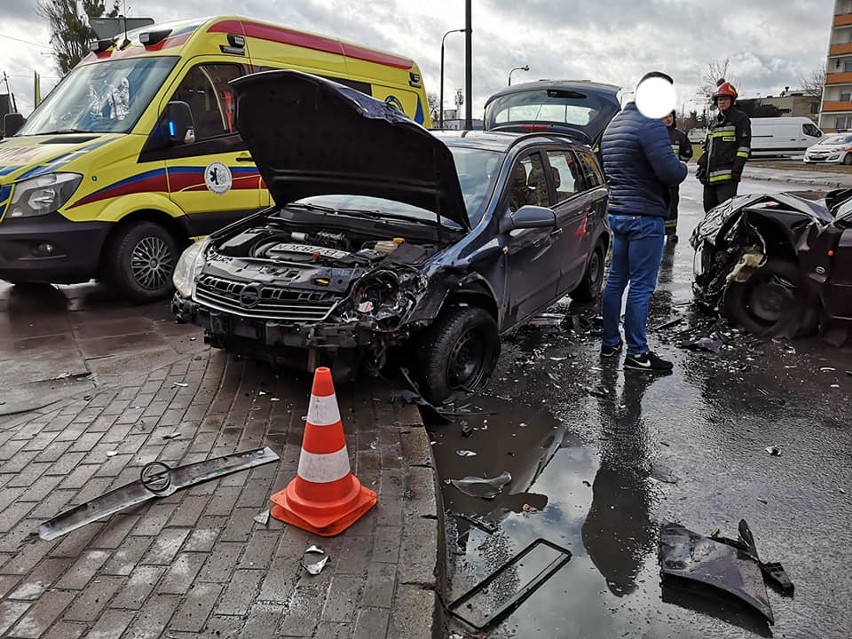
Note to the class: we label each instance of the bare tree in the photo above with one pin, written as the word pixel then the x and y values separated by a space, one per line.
pixel 69 27
pixel 432 100
pixel 716 73
pixel 814 82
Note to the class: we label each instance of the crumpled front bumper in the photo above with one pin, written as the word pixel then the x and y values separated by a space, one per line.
pixel 293 344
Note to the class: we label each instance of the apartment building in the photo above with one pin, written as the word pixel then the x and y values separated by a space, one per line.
pixel 836 110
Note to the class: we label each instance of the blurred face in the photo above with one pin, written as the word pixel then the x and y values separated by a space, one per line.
pixel 668 120
pixel 724 102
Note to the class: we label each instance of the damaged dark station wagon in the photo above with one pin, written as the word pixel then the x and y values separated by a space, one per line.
pixel 777 264
pixel 387 239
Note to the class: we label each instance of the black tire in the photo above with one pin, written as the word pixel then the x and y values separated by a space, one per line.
pixel 140 261
pixel 847 159
pixel 771 302
pixel 589 289
pixel 457 354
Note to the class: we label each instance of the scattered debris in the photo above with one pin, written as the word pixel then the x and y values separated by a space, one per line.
pixel 155 480
pixel 598 391
pixel 262 518
pixel 773 450
pixel 316 567
pixel 502 608
pixel 174 435
pixel 112 453
pixel 466 429
pixel 181 384
pixel 708 344
pixel 665 325
pixel 546 319
pixel 479 522
pixel 465 453
pixel 529 509
pixel 663 474
pixel 687 555
pixel 586 482
pixel 827 369
pixel 481 486
pixel 261 393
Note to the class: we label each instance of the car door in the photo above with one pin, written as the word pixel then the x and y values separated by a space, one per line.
pixel 572 207
pixel 594 201
pixel 213 179
pixel 531 255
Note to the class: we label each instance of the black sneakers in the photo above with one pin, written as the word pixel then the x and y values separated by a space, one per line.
pixel 648 362
pixel 611 351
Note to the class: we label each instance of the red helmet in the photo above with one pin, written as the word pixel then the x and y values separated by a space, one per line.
pixel 726 90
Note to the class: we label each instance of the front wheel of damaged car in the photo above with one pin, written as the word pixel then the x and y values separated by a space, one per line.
pixel 458 354
pixel 771 302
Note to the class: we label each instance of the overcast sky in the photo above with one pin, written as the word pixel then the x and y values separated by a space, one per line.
pixel 771 43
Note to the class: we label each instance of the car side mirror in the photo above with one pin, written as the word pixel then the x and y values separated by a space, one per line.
pixel 177 119
pixel 528 217
pixel 12 123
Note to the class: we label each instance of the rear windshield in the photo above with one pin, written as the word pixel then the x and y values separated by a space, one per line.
pixel 557 106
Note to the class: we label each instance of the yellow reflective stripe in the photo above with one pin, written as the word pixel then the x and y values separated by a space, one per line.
pixel 742 154
pixel 720 178
pixel 744 149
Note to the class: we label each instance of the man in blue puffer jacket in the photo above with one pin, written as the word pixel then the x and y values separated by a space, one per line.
pixel 640 168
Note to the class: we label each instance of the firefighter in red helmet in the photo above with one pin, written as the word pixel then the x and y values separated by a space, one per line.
pixel 726 148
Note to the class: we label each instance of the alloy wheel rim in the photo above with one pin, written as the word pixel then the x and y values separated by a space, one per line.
pixel 152 263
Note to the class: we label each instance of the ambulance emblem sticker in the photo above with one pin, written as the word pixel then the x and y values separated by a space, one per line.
pixel 217 177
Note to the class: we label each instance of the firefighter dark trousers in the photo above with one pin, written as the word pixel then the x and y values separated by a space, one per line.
pixel 716 194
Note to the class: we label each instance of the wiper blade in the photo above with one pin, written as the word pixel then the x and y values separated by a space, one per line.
pixel 311 207
pixel 375 214
pixel 59 131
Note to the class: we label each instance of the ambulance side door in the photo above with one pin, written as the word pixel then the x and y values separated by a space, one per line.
pixel 212 178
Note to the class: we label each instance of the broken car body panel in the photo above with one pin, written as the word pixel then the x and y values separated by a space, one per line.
pixel 399 235
pixel 687 555
pixel 803 238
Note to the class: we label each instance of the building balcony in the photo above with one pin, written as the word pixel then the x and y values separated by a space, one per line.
pixel 834 106
pixel 842 20
pixel 839 78
pixel 840 49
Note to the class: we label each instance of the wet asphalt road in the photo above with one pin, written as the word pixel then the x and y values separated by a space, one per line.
pixel 600 458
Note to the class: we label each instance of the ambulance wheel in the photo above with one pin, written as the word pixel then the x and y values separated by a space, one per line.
pixel 140 261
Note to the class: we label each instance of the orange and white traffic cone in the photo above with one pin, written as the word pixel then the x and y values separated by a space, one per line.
pixel 325 498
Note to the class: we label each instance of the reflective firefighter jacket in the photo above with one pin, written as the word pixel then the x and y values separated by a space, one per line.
pixel 726 148
pixel 681 145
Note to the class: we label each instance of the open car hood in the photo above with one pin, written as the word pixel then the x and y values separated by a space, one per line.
pixel 310 136
pixel 578 108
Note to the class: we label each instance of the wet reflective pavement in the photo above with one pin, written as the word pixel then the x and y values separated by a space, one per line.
pixel 601 457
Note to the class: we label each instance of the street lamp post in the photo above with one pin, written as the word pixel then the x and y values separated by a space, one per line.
pixel 526 67
pixel 441 104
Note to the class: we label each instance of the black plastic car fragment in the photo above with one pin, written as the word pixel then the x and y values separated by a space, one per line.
pixel 504 608
pixel 685 554
pixel 155 480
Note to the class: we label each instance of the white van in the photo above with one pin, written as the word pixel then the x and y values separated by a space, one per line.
pixel 782 136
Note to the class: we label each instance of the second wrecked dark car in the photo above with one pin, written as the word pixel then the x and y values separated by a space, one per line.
pixel 777 264
pixel 388 239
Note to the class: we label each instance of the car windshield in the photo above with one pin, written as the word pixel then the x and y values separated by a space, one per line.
pixel 106 97
pixel 477 170
pixel 837 139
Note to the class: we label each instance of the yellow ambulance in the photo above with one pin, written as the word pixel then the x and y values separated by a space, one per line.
pixel 135 151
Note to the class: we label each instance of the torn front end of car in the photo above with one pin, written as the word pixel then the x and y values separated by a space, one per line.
pixel 747 261
pixel 307 298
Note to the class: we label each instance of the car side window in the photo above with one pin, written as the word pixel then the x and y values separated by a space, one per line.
pixel 528 185
pixel 591 170
pixel 565 173
pixel 210 98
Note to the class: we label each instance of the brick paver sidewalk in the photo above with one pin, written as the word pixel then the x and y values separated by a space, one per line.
pixel 196 564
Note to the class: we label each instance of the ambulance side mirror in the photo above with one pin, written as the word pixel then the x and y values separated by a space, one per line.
pixel 180 127
pixel 12 123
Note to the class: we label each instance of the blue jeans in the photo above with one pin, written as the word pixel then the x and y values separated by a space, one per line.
pixel 637 250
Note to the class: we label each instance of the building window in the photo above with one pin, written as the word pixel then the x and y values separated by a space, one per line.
pixel 843 122
pixel 847 65
pixel 845 96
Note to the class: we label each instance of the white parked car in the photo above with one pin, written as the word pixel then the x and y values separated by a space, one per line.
pixel 833 149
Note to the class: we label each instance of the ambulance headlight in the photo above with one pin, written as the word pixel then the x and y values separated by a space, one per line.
pixel 189 268
pixel 43 194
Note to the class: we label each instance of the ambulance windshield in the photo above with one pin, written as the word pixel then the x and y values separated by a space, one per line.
pixel 106 97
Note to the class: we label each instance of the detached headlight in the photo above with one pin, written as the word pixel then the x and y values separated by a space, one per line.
pixel 189 268
pixel 43 194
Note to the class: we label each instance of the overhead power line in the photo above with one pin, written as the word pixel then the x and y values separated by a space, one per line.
pixel 34 44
